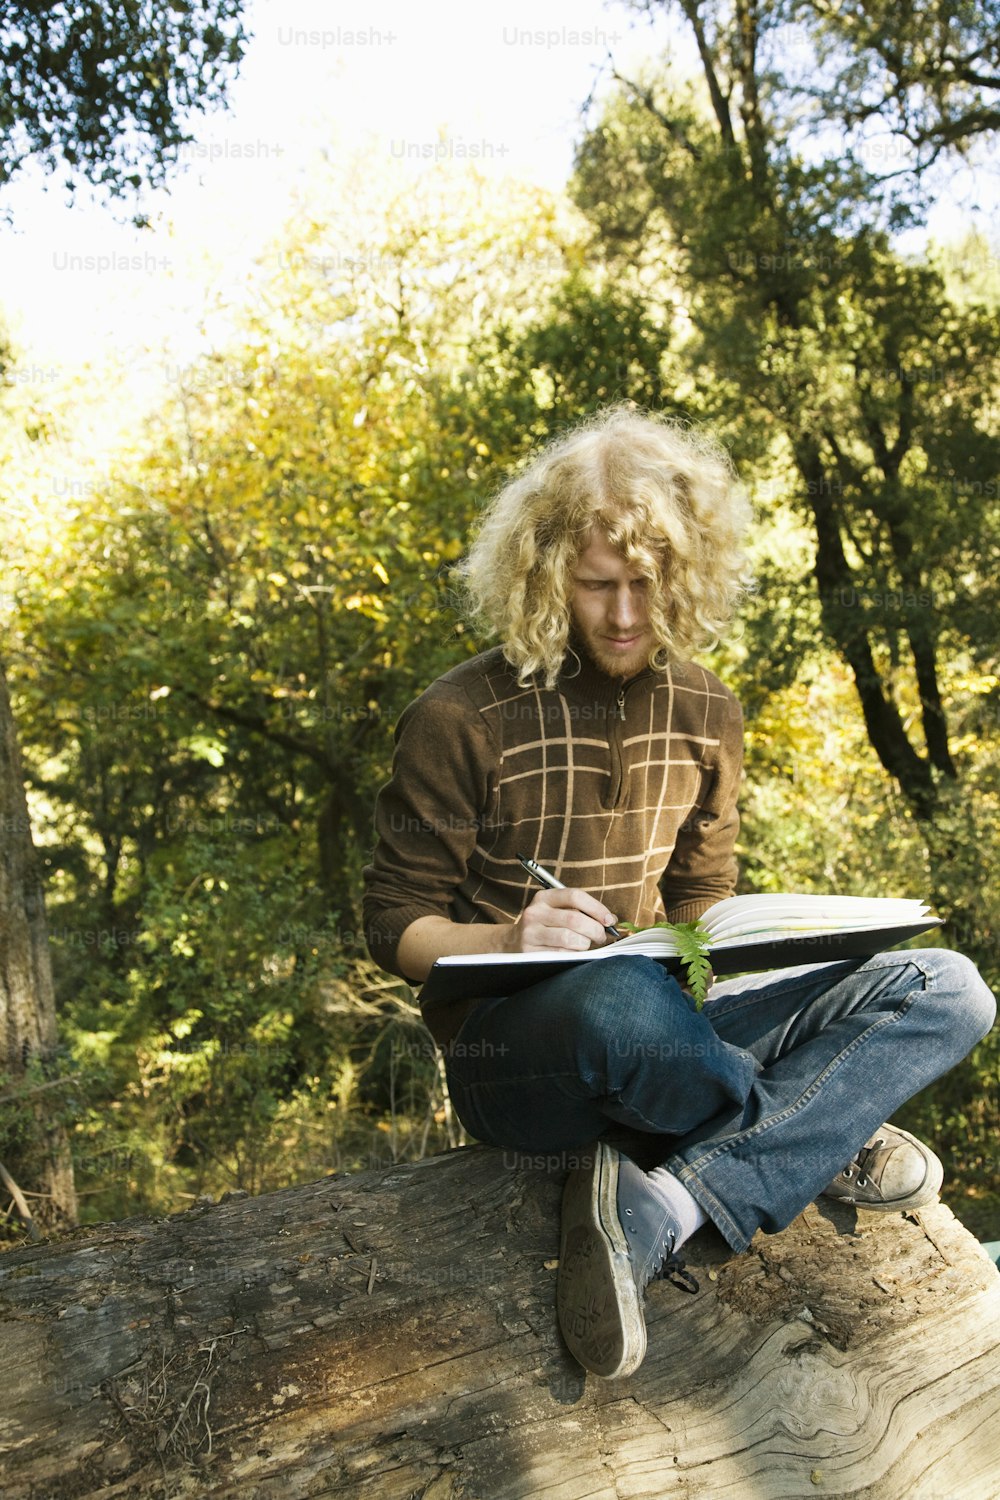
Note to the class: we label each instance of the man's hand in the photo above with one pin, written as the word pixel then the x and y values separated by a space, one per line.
pixel 567 919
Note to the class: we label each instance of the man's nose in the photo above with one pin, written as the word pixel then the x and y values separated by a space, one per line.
pixel 624 608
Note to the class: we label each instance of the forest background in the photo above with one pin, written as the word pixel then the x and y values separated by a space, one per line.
pixel 209 637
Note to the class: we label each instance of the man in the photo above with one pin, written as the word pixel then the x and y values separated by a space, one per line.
pixel 591 742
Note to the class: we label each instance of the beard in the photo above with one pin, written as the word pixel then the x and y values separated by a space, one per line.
pixel 613 663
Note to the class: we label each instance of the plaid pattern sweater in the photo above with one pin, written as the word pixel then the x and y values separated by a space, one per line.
pixel 626 790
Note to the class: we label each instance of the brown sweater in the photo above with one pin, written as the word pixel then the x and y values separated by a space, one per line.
pixel 626 792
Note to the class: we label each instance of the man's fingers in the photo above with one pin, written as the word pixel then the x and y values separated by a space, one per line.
pixel 568 919
pixel 573 900
pixel 558 937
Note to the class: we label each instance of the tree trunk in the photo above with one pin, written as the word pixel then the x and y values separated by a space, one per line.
pixel 40 1162
pixel 392 1335
pixel 845 625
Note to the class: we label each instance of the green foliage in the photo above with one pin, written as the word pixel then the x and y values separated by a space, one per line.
pixel 210 649
pixel 912 80
pixel 692 945
pixel 208 665
pixel 219 1041
pixel 844 370
pixel 105 92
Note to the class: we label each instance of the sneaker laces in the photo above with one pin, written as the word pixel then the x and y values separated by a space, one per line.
pixel 673 1269
pixel 864 1160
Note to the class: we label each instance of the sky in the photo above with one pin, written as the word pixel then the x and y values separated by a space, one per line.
pixel 503 87
pixel 80 287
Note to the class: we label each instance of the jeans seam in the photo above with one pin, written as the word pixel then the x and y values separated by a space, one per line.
pixel 715 1210
pixel 727 1005
pixel 688 1173
pixel 808 1095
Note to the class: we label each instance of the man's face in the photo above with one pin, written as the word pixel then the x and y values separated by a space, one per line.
pixel 608 606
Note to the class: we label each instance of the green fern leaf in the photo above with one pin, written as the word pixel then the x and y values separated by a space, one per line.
pixel 692 946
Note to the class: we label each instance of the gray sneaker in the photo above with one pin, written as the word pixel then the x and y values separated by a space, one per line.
pixel 616 1236
pixel 892 1171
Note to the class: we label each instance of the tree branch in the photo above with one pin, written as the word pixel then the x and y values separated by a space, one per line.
pixel 255 721
pixel 644 96
pixel 19 1202
pixel 747 34
pixel 720 105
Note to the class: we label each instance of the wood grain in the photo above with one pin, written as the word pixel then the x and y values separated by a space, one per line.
pixel 392 1335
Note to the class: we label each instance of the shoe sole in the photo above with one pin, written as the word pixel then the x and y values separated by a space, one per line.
pixel 600 1313
pixel 926 1193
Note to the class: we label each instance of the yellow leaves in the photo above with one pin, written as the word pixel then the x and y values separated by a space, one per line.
pixel 380 572
pixel 369 604
pixel 184 1025
pixel 293 569
pixel 204 747
pixel 969 683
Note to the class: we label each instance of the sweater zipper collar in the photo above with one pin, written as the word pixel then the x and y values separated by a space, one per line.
pixel 616 746
pixel 623 688
pixel 590 684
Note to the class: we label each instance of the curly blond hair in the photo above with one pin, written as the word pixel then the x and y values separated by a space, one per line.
pixel 666 498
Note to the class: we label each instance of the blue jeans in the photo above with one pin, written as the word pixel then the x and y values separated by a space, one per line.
pixel 755 1103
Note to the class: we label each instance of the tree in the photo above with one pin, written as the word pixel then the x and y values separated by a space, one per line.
pixel 276 563
pixel 106 92
pixel 36 1145
pixel 219 641
pixel 812 338
pixel 928 74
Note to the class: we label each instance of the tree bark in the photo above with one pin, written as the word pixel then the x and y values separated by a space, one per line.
pixel 835 579
pixel 40 1162
pixel 393 1334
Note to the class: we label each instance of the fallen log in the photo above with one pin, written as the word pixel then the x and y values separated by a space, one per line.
pixel 392 1334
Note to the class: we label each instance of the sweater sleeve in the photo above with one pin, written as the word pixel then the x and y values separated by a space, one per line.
pixel 427 817
pixel 703 867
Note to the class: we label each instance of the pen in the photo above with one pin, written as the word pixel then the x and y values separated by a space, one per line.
pixel 539 873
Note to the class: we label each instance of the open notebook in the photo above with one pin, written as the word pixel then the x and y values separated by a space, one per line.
pixel 774 931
